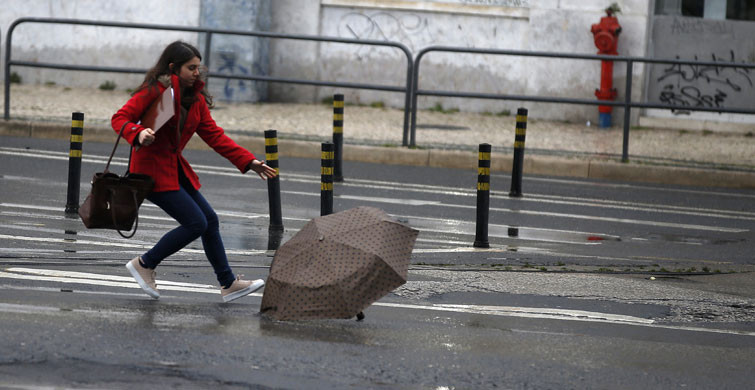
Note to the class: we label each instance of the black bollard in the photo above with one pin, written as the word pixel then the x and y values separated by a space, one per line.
pixel 513 231
pixel 483 197
pixel 273 185
pixel 338 105
pixel 74 162
pixel 326 179
pixel 521 132
pixel 274 238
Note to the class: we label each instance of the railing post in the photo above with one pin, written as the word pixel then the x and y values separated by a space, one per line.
pixel 326 179
pixel 338 108
pixel 408 101
pixel 627 113
pixel 207 48
pixel 518 167
pixel 6 81
pixel 483 197
pixel 415 87
pixel 74 162
pixel 273 184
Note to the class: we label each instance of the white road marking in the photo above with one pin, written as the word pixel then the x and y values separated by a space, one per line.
pixel 121 244
pixel 408 202
pixel 444 190
pixel 88 275
pixel 504 311
pixel 532 312
pixel 106 283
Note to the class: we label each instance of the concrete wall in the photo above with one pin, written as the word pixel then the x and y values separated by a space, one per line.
pixel 294 58
pixel 541 25
pixel 537 25
pixel 137 48
pixel 85 45
pixel 233 54
pixel 704 40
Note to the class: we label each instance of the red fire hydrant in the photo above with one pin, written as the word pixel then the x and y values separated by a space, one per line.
pixel 606 35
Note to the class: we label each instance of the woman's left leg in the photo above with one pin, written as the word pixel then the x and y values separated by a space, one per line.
pixel 212 242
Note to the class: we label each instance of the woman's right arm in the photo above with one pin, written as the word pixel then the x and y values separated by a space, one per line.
pixel 132 112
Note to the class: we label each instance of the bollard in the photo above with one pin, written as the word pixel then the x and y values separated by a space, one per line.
pixel 513 231
pixel 74 162
pixel 338 105
pixel 521 132
pixel 483 197
pixel 273 185
pixel 326 179
pixel 274 238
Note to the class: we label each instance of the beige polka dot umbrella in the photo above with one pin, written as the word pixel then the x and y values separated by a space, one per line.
pixel 337 265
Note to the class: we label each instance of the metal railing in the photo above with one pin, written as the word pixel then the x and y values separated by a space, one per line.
pixel 406 89
pixel 627 103
pixel 411 87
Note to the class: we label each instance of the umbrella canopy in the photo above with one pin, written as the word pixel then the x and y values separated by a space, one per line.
pixel 337 265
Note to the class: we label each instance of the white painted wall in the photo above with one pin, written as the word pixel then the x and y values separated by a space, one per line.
pixel 542 25
pixel 531 25
pixel 93 45
pixel 708 86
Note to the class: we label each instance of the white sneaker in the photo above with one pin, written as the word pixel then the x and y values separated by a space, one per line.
pixel 240 288
pixel 144 276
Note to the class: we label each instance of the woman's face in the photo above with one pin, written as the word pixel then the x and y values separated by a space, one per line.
pixel 189 72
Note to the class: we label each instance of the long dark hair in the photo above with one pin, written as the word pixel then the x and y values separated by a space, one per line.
pixel 177 53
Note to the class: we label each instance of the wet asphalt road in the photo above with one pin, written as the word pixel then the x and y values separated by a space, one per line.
pixel 520 315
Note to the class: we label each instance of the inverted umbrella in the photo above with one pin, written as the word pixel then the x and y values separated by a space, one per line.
pixel 337 265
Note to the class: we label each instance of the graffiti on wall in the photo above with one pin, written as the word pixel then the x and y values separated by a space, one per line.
pixel 230 66
pixel 500 3
pixel 409 29
pixel 689 26
pixel 703 85
pixel 228 63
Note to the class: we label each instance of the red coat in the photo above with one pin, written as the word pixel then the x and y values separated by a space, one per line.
pixel 160 159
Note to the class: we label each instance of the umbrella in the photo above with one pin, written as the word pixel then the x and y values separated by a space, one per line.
pixel 337 265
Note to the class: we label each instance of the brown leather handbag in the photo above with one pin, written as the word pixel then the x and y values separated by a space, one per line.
pixel 114 200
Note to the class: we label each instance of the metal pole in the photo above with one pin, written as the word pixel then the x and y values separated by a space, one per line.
pixel 273 184
pixel 338 106
pixel 483 197
pixel 415 83
pixel 326 179
pixel 74 162
pixel 207 46
pixel 627 113
pixel 6 82
pixel 518 167
pixel 274 238
pixel 408 102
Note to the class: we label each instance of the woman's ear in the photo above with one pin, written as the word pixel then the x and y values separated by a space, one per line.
pixel 170 66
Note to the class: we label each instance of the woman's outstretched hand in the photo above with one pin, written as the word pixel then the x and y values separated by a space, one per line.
pixel 262 169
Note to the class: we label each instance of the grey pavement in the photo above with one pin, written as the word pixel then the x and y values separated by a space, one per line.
pixel 444 138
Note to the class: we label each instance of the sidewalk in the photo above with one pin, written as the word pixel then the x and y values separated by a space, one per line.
pixel 450 140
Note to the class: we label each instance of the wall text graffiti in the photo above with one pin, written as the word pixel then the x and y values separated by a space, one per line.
pixel 703 85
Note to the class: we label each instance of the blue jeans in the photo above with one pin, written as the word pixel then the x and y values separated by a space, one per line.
pixel 197 219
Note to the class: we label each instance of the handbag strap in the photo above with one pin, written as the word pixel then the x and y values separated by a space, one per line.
pixel 120 134
pixel 136 222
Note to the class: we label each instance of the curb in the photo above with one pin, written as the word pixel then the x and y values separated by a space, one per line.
pixel 533 165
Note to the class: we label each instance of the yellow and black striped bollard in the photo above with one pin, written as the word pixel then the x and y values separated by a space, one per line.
pixel 521 132
pixel 326 179
pixel 273 185
pixel 74 162
pixel 483 197
pixel 338 105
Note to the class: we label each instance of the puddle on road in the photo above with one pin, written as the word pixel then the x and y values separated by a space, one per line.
pixel 691 240
pixel 505 231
